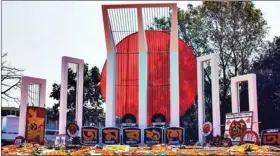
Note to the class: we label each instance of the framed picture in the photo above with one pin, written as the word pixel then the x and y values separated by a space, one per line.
pixel 19 140
pixel 57 140
pixel 60 140
pixel 236 124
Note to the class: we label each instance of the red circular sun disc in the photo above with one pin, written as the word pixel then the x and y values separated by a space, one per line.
pixel 158 44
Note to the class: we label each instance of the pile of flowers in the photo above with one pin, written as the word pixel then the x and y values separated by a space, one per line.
pixel 246 149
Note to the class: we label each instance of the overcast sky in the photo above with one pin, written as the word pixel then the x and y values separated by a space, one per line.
pixel 37 34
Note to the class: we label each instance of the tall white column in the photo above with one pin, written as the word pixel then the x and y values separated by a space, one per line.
pixel 111 72
pixel 64 92
pixel 253 101
pixel 215 95
pixel 201 102
pixel 79 103
pixel 143 74
pixel 42 83
pixel 174 72
pixel 63 97
pixel 235 97
pixel 23 108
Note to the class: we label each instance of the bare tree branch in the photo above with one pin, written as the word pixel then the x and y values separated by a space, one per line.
pixel 15 99
pixel 4 99
pixel 11 80
pixel 5 91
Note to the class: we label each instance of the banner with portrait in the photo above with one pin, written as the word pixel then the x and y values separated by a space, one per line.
pixel 35 125
pixel 207 129
pixel 72 129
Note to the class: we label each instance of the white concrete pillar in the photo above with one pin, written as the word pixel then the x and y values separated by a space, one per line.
pixel 80 102
pixel 64 90
pixel 63 97
pixel 25 82
pixel 143 74
pixel 253 98
pixel 174 71
pixel 215 94
pixel 111 72
pixel 201 102
pixel 235 101
pixel 253 101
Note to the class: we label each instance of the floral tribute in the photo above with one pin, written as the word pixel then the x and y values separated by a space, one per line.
pixel 246 149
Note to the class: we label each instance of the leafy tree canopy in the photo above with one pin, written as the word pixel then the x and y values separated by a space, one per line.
pixel 234 31
pixel 268 86
pixel 92 109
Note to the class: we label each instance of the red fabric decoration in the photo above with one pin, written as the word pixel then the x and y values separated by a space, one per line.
pixel 158 44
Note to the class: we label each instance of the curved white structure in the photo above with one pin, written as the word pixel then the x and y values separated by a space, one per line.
pixel 143 68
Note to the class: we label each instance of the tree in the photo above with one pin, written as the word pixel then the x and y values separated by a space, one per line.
pixel 234 30
pixel 268 86
pixel 11 80
pixel 92 109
